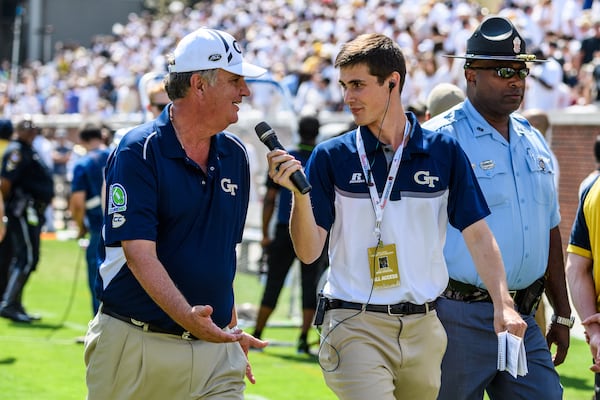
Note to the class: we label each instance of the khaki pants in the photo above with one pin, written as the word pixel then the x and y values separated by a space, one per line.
pixel 124 362
pixel 369 355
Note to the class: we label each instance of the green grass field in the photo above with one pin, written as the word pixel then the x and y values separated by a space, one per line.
pixel 42 361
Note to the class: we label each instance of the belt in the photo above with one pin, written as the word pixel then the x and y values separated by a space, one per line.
pixel 147 327
pixel 390 309
pixel 526 300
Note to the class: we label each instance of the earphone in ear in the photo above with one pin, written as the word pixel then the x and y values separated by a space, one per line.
pixel 391 85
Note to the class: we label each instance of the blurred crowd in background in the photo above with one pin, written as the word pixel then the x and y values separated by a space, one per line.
pixel 297 41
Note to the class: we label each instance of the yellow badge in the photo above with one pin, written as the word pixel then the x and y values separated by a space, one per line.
pixel 383 264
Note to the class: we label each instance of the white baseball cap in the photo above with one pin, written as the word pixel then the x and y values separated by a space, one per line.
pixel 210 49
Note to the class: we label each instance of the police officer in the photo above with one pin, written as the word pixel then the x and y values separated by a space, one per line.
pixel 27 189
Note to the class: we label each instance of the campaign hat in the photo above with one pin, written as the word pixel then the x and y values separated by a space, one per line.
pixel 496 38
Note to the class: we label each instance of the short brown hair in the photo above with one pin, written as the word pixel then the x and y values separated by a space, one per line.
pixel 380 53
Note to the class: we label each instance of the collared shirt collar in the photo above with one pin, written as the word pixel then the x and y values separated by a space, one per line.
pixel 414 145
pixel 170 145
pixel 482 127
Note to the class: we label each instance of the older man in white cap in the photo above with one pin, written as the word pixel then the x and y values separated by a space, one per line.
pixel 177 191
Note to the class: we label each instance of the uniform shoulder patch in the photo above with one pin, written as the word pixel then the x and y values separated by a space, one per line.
pixel 14 158
pixel 117 220
pixel 117 198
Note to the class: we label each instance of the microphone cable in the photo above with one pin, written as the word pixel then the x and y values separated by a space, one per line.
pixel 387 106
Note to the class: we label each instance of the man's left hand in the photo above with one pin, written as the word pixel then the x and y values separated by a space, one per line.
pixel 248 341
pixel 560 336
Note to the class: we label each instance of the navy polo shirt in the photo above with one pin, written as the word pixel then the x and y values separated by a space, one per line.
pixel 431 163
pixel 435 184
pixel 154 192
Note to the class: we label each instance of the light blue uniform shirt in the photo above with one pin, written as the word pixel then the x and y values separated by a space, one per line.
pixel 517 179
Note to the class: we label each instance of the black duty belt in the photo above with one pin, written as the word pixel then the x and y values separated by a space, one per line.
pixel 147 327
pixel 526 300
pixel 391 309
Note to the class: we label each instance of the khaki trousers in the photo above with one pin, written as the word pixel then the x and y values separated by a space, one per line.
pixel 124 362
pixel 369 355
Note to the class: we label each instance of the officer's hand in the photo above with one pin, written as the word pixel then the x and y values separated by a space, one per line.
pixel 559 335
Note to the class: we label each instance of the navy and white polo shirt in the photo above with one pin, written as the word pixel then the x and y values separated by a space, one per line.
pixel 435 185
pixel 154 192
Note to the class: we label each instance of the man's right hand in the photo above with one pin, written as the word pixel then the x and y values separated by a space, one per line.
pixel 508 319
pixel 281 166
pixel 205 329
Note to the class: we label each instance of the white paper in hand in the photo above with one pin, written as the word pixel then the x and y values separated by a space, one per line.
pixel 511 354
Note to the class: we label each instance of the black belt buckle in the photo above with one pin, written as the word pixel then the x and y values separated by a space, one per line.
pixel 402 309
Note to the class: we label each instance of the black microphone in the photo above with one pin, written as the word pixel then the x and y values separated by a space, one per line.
pixel 266 134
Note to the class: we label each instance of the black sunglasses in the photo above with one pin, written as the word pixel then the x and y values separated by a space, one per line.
pixel 160 106
pixel 505 72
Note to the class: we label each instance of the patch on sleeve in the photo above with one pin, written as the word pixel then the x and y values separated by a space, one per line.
pixel 117 201
pixel 13 160
pixel 117 220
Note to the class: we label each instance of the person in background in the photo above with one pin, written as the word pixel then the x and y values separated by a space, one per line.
pixel 443 97
pixel 383 194
pixel 592 175
pixel 62 150
pixel 280 250
pixel 27 188
pixel 420 111
pixel 6 132
pixel 61 155
pixel 582 271
pixel 514 168
pixel 44 147
pixel 177 192
pixel 157 98
pixel 85 201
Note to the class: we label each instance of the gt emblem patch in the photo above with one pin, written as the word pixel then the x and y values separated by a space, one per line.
pixel 117 198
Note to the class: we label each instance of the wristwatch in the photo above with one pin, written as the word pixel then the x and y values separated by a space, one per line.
pixel 568 322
